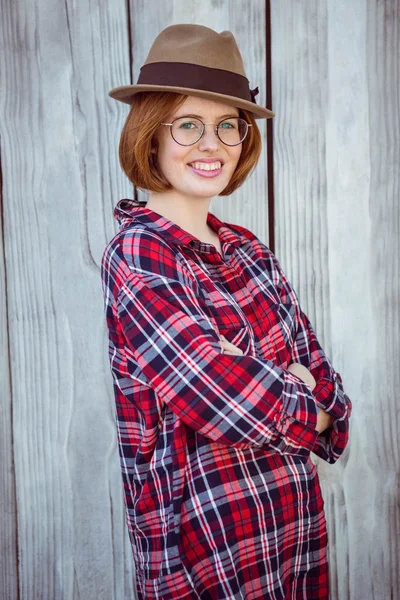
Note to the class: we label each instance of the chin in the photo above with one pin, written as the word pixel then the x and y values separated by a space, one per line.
pixel 205 191
pixel 209 193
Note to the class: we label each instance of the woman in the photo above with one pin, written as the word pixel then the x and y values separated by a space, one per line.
pixel 222 389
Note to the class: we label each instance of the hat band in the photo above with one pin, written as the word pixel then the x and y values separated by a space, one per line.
pixel 197 77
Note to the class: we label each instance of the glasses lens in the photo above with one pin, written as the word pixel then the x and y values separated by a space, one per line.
pixel 186 130
pixel 232 131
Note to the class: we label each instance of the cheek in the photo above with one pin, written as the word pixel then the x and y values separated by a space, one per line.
pixel 235 156
pixel 170 157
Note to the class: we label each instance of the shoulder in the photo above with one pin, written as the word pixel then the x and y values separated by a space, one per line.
pixel 137 251
pixel 255 245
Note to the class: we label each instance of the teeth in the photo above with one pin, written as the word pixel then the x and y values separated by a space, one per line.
pixel 206 166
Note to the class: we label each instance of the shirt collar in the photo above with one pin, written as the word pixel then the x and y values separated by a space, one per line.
pixel 128 211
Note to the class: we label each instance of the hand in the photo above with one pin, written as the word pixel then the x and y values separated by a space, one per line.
pixel 228 347
pixel 324 420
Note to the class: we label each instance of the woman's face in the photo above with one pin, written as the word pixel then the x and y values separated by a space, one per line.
pixel 177 162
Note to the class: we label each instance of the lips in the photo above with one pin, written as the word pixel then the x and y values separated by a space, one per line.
pixel 206 166
pixel 206 169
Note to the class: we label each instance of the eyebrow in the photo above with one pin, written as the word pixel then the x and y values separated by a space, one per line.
pixel 201 117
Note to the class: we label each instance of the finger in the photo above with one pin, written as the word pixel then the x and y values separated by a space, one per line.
pixel 227 344
pixel 233 349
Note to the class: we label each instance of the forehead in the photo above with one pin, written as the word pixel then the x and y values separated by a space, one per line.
pixel 205 108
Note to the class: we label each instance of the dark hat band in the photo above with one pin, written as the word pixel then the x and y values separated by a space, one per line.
pixel 197 77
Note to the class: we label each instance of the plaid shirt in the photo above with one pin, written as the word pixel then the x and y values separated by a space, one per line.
pixel 222 499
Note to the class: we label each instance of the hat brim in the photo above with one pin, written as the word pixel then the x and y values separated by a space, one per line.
pixel 125 94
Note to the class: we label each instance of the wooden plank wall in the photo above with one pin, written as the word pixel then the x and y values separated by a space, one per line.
pixel 336 156
pixel 60 181
pixel 335 85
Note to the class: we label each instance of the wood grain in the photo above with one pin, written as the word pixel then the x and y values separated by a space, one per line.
pixel 8 505
pixel 336 137
pixel 61 177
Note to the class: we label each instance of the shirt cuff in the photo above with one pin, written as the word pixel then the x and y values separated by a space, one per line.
pixel 326 398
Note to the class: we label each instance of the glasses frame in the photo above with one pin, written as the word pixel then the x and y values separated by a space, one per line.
pixel 204 129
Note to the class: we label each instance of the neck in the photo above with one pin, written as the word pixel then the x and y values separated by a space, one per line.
pixel 188 213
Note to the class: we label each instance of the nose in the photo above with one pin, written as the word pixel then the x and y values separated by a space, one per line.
pixel 209 140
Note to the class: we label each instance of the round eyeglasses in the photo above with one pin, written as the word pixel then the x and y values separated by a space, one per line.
pixel 186 131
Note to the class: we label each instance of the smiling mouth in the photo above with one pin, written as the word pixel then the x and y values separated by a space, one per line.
pixel 202 166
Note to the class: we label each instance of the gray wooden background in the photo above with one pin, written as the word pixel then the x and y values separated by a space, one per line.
pixel 335 78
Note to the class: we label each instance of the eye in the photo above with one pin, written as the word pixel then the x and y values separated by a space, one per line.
pixel 188 125
pixel 228 125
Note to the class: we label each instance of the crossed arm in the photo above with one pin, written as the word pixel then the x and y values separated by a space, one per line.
pixel 324 420
pixel 235 400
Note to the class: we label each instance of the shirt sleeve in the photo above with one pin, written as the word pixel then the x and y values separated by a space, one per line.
pixel 329 393
pixel 236 400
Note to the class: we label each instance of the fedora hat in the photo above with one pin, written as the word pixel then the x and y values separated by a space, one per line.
pixel 196 61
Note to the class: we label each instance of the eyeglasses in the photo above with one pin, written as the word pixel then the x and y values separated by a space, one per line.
pixel 186 131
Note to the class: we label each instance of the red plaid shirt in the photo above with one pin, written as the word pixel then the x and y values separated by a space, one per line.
pixel 222 499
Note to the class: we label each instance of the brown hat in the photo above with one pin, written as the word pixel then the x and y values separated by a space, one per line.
pixel 196 61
